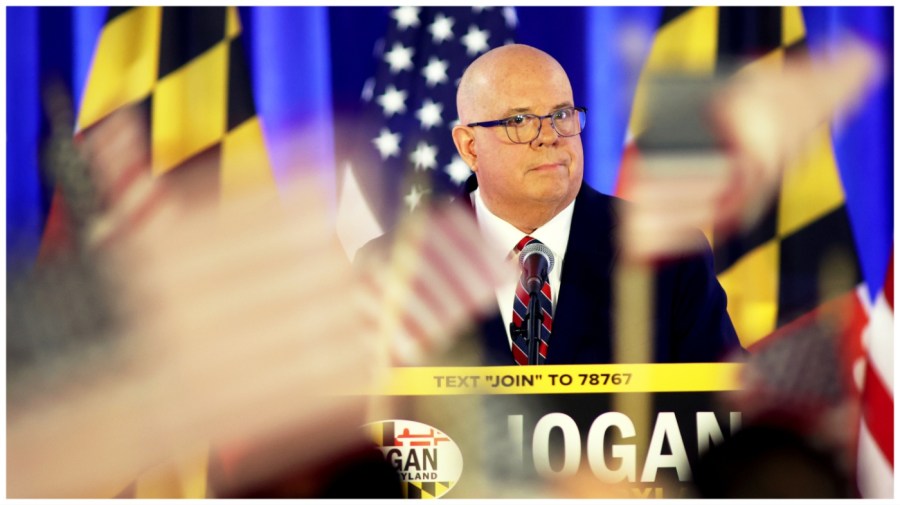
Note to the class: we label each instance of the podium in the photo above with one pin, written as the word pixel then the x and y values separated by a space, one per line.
pixel 556 431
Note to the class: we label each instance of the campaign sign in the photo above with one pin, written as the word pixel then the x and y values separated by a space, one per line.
pixel 557 430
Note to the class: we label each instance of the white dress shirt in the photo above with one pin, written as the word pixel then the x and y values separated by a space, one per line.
pixel 501 237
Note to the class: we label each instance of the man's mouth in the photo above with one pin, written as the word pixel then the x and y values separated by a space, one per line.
pixel 549 166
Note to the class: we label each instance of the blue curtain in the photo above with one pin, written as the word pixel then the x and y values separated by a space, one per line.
pixel 24 202
pixel 863 141
pixel 42 44
pixel 291 76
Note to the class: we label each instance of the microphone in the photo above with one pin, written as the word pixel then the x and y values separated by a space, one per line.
pixel 537 261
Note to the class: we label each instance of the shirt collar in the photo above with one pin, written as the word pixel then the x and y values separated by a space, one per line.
pixel 502 236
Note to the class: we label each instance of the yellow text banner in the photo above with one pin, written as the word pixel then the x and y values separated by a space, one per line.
pixel 561 379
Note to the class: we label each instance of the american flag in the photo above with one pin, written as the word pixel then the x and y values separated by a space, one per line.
pixel 438 278
pixel 403 151
pixel 874 374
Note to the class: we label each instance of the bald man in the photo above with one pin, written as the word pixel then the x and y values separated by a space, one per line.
pixel 519 131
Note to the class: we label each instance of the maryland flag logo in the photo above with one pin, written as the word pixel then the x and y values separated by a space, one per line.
pixel 428 461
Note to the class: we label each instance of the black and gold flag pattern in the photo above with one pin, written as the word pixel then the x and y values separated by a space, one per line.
pixel 425 490
pixel 187 67
pixel 801 253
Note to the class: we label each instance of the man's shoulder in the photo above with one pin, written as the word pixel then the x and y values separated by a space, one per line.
pixel 593 203
pixel 595 210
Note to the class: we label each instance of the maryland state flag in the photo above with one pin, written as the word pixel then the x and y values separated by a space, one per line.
pixel 187 69
pixel 801 253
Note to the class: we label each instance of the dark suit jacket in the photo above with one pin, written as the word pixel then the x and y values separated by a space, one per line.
pixel 690 322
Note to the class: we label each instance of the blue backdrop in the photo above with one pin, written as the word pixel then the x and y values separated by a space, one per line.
pixel 309 65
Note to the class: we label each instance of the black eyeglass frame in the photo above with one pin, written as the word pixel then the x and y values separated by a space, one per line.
pixel 504 122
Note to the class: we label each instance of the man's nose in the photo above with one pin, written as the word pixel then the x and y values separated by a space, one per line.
pixel 547 134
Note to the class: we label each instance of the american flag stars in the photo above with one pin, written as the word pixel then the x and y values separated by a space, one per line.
pixel 458 170
pixel 441 29
pixel 413 197
pixel 509 15
pixel 387 143
pixel 406 17
pixel 425 156
pixel 435 72
pixel 393 101
pixel 399 58
pixel 412 99
pixel 476 40
pixel 430 114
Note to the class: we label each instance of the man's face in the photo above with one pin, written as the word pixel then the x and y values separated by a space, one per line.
pixel 548 171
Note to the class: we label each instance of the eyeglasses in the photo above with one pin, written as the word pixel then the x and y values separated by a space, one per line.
pixel 524 128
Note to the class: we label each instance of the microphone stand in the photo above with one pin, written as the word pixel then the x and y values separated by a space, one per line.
pixel 535 275
pixel 534 318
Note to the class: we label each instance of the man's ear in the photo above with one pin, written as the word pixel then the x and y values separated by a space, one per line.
pixel 464 139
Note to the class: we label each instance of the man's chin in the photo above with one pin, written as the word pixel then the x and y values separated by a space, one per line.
pixel 554 195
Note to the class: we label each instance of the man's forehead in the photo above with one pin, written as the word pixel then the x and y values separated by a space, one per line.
pixel 512 80
pixel 527 94
pixel 536 109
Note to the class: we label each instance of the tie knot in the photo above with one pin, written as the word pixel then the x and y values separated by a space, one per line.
pixel 527 239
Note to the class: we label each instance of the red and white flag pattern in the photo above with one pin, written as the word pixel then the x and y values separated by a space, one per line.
pixel 875 463
pixel 437 279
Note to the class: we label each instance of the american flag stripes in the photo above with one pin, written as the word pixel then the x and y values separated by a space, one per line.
pixel 438 278
pixel 875 459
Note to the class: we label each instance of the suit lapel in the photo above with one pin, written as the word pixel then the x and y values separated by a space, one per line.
pixel 581 323
pixel 495 342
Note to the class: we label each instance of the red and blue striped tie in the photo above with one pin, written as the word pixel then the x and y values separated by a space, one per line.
pixel 520 307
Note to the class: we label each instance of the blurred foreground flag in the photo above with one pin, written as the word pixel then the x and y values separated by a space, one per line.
pixel 800 253
pixel 402 152
pixel 434 281
pixel 186 68
pixel 799 261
